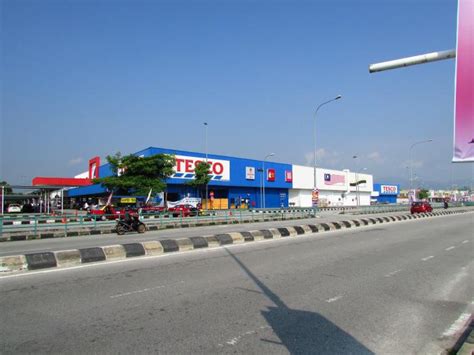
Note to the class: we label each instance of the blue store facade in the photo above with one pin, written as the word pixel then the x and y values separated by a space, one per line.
pixel 387 193
pixel 235 179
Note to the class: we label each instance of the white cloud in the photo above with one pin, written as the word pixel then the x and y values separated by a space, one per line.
pixel 323 157
pixel 376 157
pixel 75 161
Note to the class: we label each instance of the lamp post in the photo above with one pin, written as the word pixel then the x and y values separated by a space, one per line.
pixel 315 113
pixel 411 162
pixel 263 177
pixel 357 181
pixel 205 148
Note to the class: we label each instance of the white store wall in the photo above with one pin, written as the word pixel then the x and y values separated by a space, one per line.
pixel 334 190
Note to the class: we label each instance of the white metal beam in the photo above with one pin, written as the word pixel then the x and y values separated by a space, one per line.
pixel 418 59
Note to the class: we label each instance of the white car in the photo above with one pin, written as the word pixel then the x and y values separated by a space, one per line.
pixel 14 208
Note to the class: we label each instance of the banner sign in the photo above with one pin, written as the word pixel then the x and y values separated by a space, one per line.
pixel 193 201
pixel 128 200
pixel 334 179
pixel 315 197
pixel 270 174
pixel 464 96
pixel 250 173
pixel 288 176
pixel 388 189
pixel 184 168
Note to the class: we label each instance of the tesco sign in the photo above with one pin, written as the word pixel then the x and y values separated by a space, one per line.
pixel 389 189
pixel 184 168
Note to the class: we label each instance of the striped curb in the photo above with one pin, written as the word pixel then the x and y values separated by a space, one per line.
pixel 75 257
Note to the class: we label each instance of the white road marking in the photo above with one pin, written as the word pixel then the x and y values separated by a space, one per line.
pixel 143 290
pixel 450 248
pixel 236 339
pixel 428 258
pixel 334 299
pixel 393 273
pixel 465 241
pixel 457 325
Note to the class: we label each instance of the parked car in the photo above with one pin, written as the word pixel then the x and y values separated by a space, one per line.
pixel 152 209
pixel 106 212
pixel 14 208
pixel 420 207
pixel 183 210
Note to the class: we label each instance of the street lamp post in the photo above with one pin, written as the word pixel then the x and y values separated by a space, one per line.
pixel 205 146
pixel 315 113
pixel 411 162
pixel 263 178
pixel 357 181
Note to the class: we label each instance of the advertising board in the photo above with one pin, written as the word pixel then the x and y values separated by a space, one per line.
pixel 464 88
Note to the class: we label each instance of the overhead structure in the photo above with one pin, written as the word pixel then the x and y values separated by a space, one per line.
pixel 409 61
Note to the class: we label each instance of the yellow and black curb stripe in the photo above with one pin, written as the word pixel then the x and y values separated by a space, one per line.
pixel 74 257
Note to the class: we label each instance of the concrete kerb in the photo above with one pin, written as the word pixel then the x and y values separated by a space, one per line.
pixel 74 257
pixel 114 252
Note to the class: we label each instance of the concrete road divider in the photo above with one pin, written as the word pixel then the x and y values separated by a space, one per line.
pixel 74 257
pixel 13 263
pixel 41 260
pixel 114 252
pixel 152 248
pixel 90 255
pixel 66 258
pixel 184 244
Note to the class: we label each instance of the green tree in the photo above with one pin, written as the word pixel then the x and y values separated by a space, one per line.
pixel 423 194
pixel 8 189
pixel 201 176
pixel 133 174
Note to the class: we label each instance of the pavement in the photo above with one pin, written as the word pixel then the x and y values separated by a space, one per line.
pixel 394 288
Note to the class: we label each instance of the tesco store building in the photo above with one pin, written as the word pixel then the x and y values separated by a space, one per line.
pixel 237 182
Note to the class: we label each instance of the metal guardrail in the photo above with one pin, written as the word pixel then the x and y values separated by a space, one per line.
pixel 67 223
pixel 35 224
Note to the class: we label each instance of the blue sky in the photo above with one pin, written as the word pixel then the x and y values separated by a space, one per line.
pixel 84 78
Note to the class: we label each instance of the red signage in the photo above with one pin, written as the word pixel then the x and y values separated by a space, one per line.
pixel 288 176
pixel 270 174
pixel 94 165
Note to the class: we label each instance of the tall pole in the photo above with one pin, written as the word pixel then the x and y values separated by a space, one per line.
pixel 62 201
pixel 411 162
pixel 3 199
pixel 314 135
pixel 205 146
pixel 357 181
pixel 264 176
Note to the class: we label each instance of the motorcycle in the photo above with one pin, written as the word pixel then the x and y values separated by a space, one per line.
pixel 132 224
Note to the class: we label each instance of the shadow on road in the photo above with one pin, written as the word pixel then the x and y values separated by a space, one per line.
pixel 302 332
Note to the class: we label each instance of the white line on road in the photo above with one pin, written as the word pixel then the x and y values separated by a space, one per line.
pixel 450 248
pixel 334 299
pixel 143 290
pixel 465 241
pixel 428 258
pixel 393 273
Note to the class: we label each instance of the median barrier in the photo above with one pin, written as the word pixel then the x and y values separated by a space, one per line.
pixel 152 248
pixel 66 258
pixel 74 257
pixel 114 252
pixel 184 244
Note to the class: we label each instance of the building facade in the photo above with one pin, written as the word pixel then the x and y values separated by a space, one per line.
pixel 239 182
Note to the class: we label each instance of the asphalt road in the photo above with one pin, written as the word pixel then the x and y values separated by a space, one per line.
pixel 388 289
pixel 40 245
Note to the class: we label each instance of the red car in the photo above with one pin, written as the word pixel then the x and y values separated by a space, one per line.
pixel 420 207
pixel 152 209
pixel 106 212
pixel 183 210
